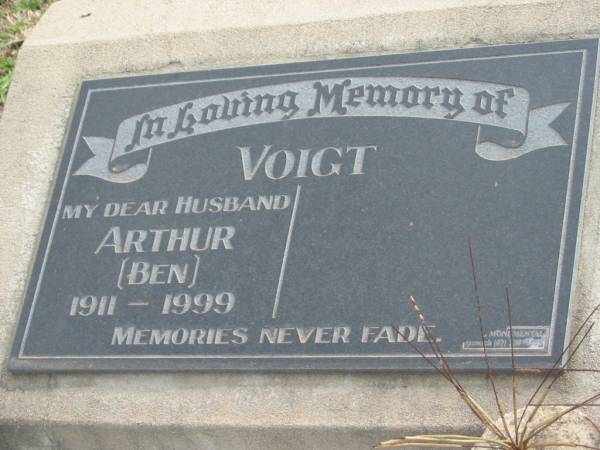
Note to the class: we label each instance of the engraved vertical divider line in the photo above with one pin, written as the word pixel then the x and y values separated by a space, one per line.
pixel 285 252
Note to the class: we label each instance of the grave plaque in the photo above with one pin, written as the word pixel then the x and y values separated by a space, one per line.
pixel 279 217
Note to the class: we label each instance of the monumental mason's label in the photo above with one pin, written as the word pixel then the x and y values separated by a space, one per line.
pixel 279 217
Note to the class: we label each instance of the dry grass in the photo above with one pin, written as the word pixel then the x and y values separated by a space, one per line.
pixel 524 429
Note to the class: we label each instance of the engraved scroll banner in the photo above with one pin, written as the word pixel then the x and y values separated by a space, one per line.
pixel 506 109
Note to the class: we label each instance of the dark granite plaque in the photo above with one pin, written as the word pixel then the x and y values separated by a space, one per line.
pixel 279 217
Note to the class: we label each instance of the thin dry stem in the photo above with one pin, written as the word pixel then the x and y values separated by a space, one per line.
pixel 485 353
pixel 481 414
pixel 512 363
pixel 444 439
pixel 594 424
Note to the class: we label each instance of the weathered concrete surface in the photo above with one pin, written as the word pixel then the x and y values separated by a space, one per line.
pixel 237 411
pixel 574 428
